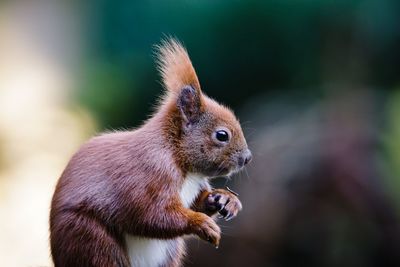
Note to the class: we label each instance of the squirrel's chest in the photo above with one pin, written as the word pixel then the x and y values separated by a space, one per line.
pixel 148 252
pixel 191 188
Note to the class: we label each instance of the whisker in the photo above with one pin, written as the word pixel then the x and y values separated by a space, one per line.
pixel 239 176
pixel 221 165
pixel 244 122
pixel 226 182
pixel 226 226
pixel 247 174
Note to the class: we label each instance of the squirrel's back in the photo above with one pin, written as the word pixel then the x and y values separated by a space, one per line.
pixel 110 165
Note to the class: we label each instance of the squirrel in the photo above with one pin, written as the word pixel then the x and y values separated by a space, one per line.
pixel 128 198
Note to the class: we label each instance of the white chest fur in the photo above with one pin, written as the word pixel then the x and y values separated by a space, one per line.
pixel 146 252
pixel 191 187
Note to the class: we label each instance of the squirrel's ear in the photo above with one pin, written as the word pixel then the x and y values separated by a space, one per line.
pixel 175 66
pixel 189 104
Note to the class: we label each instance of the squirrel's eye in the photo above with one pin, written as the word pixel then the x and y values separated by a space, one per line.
pixel 222 136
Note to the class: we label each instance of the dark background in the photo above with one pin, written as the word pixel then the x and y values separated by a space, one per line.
pixel 314 83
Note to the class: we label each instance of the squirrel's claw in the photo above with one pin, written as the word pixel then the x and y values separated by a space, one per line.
pixel 225 202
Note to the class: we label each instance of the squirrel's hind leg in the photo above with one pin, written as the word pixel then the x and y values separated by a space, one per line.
pixel 79 240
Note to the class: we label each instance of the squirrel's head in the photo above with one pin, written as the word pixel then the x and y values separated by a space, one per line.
pixel 207 136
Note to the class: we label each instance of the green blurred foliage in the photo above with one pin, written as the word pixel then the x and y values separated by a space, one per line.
pixel 239 49
pixel 391 145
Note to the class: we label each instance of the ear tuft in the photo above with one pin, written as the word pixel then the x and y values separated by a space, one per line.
pixel 189 103
pixel 175 66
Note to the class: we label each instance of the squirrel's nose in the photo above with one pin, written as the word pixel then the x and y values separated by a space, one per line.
pixel 245 158
pixel 248 157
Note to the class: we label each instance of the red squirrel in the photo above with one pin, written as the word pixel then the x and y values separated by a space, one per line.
pixel 128 198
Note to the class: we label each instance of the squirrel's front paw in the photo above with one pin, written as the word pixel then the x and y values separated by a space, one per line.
pixel 206 229
pixel 225 202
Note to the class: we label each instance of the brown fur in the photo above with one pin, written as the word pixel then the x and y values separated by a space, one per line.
pixel 175 66
pixel 129 182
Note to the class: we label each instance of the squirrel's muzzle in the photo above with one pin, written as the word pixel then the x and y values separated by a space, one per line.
pixel 245 158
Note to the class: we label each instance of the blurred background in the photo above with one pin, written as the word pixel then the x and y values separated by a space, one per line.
pixel 315 84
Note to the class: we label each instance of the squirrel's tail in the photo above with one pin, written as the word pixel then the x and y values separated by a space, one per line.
pixel 175 66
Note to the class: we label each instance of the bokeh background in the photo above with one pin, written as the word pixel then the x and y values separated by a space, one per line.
pixel 315 84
